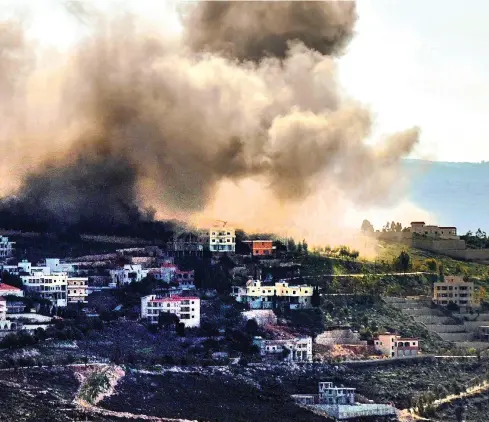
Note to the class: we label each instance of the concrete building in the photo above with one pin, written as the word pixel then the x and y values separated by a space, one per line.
pixel 455 289
pixel 261 247
pixel 260 295
pixel 298 349
pixel 339 403
pixel 396 346
pixel 222 239
pixel 329 394
pixel 127 274
pixel 186 244
pixel 7 290
pixel 6 247
pixel 56 266
pixel 77 289
pixel 185 308
pixel 53 287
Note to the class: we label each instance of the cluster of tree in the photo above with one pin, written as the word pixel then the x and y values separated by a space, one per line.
pixel 392 227
pixel 11 279
pixel 167 320
pixel 477 240
pixel 343 252
pixel 402 262
pixel 75 329
pixel 299 248
pixel 22 339
pixel 367 227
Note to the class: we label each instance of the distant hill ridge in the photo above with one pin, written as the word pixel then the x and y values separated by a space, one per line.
pixel 456 193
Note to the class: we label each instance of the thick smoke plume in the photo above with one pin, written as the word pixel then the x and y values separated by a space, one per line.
pixel 131 119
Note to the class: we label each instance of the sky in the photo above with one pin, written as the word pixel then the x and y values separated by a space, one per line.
pixel 414 63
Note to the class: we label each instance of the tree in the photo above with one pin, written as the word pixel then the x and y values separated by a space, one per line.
pixel 299 248
pixel 180 329
pixel 354 255
pixel 291 247
pixel 316 297
pixel 304 246
pixel 166 319
pixel 402 262
pixel 431 264
pixel 482 294
pixel 367 227
pixel 251 327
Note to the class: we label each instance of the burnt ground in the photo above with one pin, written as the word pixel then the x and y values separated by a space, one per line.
pixel 238 393
pixel 42 395
pixel 210 397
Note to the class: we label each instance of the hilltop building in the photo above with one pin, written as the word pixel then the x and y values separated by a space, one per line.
pixel 455 289
pixel 261 295
pixel 222 239
pixel 187 309
pixel 420 228
pixel 298 349
pixel 261 247
pixel 396 346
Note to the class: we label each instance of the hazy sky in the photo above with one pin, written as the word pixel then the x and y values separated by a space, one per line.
pixel 413 62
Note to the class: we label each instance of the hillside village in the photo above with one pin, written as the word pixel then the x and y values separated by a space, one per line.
pixel 222 299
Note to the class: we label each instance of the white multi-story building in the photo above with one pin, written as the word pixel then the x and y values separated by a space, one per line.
pixel 77 289
pixel 52 287
pixel 222 239
pixel 396 346
pixel 298 349
pixel 261 295
pixel 6 247
pixel 187 309
pixel 128 274
pixel 7 290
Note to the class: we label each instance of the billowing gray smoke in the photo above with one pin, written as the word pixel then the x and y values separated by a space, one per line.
pixel 249 91
pixel 251 30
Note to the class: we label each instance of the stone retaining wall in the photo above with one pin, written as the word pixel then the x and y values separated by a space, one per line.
pixel 457 337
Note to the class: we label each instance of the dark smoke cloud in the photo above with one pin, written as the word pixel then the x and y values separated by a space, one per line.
pixel 137 119
pixel 252 30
